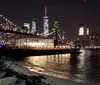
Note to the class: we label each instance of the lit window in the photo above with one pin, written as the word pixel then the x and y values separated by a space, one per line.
pixel 87 31
pixel 81 31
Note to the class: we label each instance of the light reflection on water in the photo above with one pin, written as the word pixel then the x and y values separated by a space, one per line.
pixel 84 67
pixel 53 65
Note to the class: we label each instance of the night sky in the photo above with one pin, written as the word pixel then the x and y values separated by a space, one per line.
pixel 71 13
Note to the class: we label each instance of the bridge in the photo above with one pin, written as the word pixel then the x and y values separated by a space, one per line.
pixel 9 32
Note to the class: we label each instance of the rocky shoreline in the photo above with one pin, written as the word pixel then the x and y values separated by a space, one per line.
pixel 21 79
pixel 11 73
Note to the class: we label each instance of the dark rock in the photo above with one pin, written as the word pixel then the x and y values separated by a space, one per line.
pixel 2 74
pixel 22 78
pixel 42 77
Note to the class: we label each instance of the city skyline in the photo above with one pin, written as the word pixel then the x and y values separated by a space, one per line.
pixel 70 14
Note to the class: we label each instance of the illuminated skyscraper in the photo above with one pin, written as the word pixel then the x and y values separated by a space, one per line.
pixel 28 27
pixel 33 30
pixel 46 23
pixel 83 35
pixel 83 30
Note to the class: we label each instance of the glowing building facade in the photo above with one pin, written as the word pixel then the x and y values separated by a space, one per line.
pixel 83 36
pixel 83 30
pixel 35 43
pixel 46 23
pixel 33 29
pixel 87 31
pixel 28 27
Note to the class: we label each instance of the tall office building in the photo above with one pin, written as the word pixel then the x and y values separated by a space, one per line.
pixel 83 30
pixel 28 27
pixel 83 35
pixel 33 30
pixel 46 23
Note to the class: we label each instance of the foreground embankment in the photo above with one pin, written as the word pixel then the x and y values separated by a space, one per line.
pixel 13 77
pixel 25 77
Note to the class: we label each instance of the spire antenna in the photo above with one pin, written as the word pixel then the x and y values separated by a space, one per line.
pixel 45 11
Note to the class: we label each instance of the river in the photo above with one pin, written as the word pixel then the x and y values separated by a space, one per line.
pixel 83 67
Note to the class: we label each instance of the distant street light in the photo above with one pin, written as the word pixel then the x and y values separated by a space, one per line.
pixel 0 24
pixel 0 15
pixel 3 17
pixel 10 22
pixel 6 19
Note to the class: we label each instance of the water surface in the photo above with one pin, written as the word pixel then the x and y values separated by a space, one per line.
pixel 84 67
